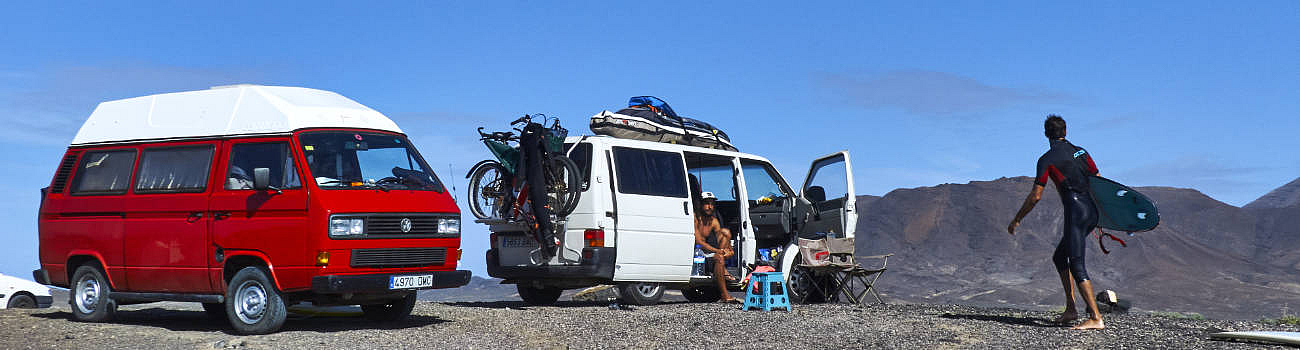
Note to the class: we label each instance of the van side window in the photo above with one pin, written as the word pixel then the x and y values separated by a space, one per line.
pixel 581 156
pixel 647 172
pixel 104 172
pixel 760 181
pixel 174 169
pixel 274 156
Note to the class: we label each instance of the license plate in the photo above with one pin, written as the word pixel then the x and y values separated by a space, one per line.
pixel 407 282
pixel 518 242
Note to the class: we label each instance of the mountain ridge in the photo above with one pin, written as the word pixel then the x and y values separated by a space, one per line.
pixel 1206 256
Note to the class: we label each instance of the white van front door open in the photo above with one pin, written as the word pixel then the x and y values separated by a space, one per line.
pixel 829 189
pixel 654 215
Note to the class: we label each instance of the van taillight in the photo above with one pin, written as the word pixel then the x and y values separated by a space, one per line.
pixel 594 238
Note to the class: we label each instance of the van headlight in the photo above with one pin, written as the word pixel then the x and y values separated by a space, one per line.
pixel 449 226
pixel 344 226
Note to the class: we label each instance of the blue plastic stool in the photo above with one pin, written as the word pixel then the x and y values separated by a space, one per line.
pixel 766 291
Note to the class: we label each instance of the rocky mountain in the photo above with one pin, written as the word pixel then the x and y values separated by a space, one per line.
pixel 1286 196
pixel 1209 257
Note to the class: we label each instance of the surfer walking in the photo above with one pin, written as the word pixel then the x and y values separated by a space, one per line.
pixel 1068 166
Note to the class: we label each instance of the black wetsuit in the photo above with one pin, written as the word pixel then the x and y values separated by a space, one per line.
pixel 1068 166
pixel 530 144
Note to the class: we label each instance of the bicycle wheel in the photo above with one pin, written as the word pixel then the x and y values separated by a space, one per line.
pixel 563 184
pixel 487 190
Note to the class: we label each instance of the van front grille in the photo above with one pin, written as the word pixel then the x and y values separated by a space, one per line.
pixel 392 225
pixel 398 257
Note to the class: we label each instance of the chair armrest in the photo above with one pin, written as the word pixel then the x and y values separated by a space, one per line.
pixel 882 264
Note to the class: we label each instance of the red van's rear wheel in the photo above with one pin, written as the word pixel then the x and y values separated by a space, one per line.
pixel 89 299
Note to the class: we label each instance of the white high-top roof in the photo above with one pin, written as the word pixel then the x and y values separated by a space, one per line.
pixel 226 110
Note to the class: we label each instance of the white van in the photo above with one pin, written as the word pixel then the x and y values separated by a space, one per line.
pixel 633 226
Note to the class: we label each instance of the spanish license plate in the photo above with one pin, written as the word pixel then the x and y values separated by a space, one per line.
pixel 518 242
pixel 407 282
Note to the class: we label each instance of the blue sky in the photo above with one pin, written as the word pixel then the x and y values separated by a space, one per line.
pixel 1198 94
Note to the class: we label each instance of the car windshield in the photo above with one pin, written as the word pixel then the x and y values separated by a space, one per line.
pixel 363 160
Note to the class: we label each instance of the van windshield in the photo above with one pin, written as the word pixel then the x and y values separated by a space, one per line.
pixel 363 160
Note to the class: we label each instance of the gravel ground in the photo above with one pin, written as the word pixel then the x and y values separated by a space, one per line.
pixel 508 324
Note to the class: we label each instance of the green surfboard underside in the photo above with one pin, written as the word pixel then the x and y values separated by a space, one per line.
pixel 1122 208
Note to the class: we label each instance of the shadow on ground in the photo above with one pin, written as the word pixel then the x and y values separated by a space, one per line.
pixel 1011 320
pixel 199 321
pixel 520 305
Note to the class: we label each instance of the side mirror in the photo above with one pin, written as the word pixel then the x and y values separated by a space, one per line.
pixel 261 179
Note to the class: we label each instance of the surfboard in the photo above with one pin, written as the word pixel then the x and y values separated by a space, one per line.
pixel 1122 208
pixel 1292 338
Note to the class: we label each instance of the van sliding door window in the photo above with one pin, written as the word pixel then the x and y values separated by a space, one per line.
pixel 273 156
pixel 176 169
pixel 104 172
pixel 652 173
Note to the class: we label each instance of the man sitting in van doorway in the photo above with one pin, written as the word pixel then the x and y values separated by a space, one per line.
pixel 714 239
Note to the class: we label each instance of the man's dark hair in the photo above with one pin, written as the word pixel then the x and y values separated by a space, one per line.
pixel 1054 127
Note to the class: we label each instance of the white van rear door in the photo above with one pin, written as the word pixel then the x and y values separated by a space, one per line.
pixel 829 189
pixel 655 229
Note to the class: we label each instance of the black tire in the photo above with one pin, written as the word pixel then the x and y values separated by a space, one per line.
pixel 253 304
pixel 215 310
pixel 563 184
pixel 22 301
pixel 488 190
pixel 538 296
pixel 702 294
pixel 89 297
pixel 394 310
pixel 799 285
pixel 640 293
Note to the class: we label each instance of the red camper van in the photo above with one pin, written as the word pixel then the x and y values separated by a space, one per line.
pixel 247 199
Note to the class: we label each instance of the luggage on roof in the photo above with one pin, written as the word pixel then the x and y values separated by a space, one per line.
pixel 651 119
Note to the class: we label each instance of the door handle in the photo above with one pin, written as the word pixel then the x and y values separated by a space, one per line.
pixel 221 215
pixel 196 215
pixel 686 209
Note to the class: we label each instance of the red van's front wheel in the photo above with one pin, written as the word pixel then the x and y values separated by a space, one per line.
pixel 253 305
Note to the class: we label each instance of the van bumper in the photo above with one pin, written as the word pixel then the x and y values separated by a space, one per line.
pixel 599 265
pixel 41 276
pixel 334 284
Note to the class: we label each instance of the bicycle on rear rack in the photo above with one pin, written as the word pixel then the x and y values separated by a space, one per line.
pixel 504 189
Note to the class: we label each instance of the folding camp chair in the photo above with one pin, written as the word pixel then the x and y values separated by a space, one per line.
pixel 833 259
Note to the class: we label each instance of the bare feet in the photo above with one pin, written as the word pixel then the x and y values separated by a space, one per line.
pixel 1066 317
pixel 1091 323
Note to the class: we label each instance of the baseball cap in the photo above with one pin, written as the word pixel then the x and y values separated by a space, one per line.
pixel 708 196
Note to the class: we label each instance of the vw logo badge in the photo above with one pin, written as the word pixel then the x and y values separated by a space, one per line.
pixel 406 225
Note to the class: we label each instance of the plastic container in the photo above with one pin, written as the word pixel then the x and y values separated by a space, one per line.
pixel 697 269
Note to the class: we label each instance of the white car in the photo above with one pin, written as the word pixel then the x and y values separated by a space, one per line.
pixel 23 294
